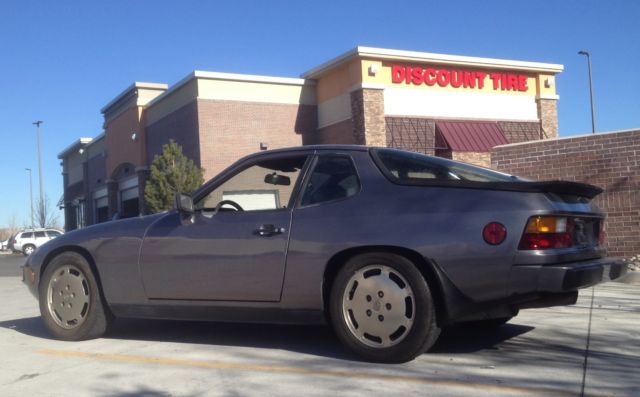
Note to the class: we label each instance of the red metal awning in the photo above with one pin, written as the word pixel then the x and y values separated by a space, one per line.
pixel 470 136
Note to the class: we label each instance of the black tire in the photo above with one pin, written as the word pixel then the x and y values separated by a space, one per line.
pixel 352 287
pixel 28 249
pixel 90 318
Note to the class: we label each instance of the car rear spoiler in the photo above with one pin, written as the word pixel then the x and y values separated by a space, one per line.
pixel 558 187
pixel 563 188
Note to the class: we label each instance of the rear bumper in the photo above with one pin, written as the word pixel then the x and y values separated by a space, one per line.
pixel 565 277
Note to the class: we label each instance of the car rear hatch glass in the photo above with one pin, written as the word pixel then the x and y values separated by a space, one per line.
pixel 407 168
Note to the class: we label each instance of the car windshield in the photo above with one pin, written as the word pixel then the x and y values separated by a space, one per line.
pixel 407 166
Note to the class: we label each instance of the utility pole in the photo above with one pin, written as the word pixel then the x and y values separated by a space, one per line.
pixel 593 113
pixel 37 124
pixel 30 195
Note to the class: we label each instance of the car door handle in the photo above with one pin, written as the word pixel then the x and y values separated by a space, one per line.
pixel 267 230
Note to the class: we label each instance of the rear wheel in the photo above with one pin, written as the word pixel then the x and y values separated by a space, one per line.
pixel 381 308
pixel 70 301
pixel 28 249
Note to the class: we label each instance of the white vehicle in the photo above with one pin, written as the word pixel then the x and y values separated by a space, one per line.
pixel 28 240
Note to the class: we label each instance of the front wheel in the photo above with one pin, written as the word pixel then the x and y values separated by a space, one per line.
pixel 381 307
pixel 70 301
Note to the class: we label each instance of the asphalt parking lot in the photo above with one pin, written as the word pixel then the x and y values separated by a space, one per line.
pixel 540 353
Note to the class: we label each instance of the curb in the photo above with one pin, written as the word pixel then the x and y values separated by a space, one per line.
pixel 632 277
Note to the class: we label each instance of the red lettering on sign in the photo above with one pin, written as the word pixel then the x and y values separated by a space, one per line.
pixel 469 80
pixel 429 77
pixel 495 77
pixel 417 75
pixel 481 77
pixel 522 83
pixel 456 78
pixel 472 79
pixel 397 74
pixel 512 83
pixel 444 77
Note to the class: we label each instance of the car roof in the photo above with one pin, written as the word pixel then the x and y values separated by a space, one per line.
pixel 341 148
pixel 39 229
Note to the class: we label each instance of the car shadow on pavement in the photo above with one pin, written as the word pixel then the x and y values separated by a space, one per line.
pixel 314 340
pixel 469 338
pixel 31 326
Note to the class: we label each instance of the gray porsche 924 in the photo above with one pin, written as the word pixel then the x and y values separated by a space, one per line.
pixel 387 246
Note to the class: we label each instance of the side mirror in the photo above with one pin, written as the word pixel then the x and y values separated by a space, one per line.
pixel 275 179
pixel 184 204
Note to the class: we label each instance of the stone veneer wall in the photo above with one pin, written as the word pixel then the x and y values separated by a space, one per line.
pixel 548 115
pixel 367 112
pixel 482 159
pixel 609 160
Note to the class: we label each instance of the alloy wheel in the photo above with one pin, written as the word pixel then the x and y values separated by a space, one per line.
pixel 68 297
pixel 378 306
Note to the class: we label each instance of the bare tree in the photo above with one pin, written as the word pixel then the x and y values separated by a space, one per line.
pixel 11 229
pixel 45 215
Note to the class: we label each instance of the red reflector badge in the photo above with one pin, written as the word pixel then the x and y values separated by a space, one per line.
pixel 494 233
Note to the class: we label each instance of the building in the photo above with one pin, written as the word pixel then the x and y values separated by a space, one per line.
pixel 451 106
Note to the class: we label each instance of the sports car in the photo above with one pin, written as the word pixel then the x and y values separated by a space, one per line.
pixel 386 246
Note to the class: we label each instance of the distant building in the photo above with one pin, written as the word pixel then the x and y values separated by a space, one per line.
pixel 451 106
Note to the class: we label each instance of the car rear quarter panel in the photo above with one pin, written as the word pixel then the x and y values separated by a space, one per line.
pixel 442 224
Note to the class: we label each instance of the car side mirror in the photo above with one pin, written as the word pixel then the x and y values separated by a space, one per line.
pixel 184 204
pixel 275 179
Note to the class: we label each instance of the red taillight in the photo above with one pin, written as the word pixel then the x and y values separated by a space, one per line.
pixel 494 233
pixel 602 236
pixel 546 232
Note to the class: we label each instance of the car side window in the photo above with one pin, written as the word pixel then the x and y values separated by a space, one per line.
pixel 333 178
pixel 39 234
pixel 265 185
pixel 53 233
pixel 27 235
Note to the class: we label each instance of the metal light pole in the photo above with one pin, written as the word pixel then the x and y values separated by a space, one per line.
pixel 593 113
pixel 30 195
pixel 37 124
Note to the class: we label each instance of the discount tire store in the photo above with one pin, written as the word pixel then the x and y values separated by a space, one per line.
pixel 456 107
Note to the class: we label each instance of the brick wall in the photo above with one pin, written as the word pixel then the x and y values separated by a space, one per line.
pixel 97 173
pixel 611 161
pixel 338 133
pixel 181 126
pixel 229 130
pixel 121 148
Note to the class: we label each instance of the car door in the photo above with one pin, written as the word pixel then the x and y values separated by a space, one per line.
pixel 234 247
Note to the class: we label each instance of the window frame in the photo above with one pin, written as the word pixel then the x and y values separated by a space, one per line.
pixel 384 170
pixel 312 167
pixel 247 163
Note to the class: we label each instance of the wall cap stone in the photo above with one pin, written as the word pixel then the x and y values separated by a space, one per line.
pixel 597 134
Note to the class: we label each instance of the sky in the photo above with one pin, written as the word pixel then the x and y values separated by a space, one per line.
pixel 62 61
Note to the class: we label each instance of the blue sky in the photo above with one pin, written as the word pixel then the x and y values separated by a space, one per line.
pixel 62 61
